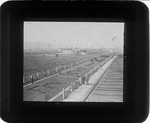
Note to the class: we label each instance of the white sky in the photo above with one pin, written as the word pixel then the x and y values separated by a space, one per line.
pixel 76 34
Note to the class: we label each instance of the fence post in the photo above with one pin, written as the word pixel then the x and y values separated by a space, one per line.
pixel 95 70
pixel 29 76
pixel 85 81
pixel 80 81
pixel 63 93
pixel 37 74
pixel 76 84
pixel 56 69
pixel 71 87
pixel 47 71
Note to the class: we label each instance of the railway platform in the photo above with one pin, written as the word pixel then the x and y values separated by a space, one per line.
pixel 110 87
pixel 106 85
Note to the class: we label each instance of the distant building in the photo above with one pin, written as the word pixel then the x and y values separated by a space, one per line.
pixel 83 53
pixel 77 50
pixel 67 52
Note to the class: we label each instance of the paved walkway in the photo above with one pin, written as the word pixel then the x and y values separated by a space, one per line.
pixel 82 92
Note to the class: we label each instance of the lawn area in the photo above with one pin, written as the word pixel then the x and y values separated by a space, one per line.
pixel 49 87
pixel 34 62
pixel 46 89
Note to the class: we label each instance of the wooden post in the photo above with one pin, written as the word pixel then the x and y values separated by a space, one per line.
pixel 29 76
pixel 80 81
pixel 37 75
pixel 59 71
pixel 56 69
pixel 85 82
pixel 63 93
pixel 71 87
pixel 76 84
pixel 47 71
pixel 94 70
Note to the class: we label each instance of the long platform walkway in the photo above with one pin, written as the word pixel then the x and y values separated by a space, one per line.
pixel 110 87
pixel 89 92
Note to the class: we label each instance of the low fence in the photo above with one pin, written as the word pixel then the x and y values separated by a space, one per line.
pixel 90 73
pixel 80 81
pixel 31 78
pixel 66 91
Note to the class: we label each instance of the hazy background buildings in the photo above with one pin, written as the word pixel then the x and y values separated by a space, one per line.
pixel 73 35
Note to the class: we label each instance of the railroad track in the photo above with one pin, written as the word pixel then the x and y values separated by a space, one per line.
pixel 110 86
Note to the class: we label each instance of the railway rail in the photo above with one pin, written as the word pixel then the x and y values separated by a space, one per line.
pixel 110 86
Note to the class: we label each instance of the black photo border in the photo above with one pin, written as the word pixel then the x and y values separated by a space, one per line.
pixel 136 36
